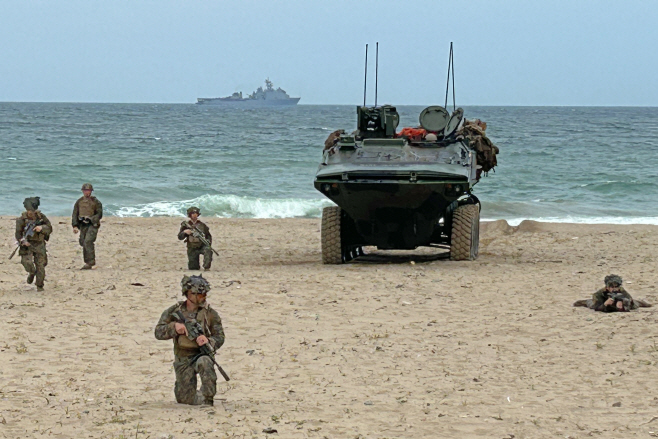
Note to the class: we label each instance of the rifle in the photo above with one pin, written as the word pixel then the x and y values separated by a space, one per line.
pixel 619 297
pixel 28 233
pixel 198 235
pixel 194 330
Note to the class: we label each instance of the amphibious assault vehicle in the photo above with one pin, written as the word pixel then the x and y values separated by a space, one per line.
pixel 400 192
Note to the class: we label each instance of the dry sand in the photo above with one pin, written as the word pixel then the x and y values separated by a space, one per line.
pixel 396 345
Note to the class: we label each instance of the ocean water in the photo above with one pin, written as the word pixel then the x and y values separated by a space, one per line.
pixel 562 164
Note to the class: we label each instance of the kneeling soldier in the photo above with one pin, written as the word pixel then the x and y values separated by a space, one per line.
pixel 195 247
pixel 187 359
pixel 33 229
pixel 86 217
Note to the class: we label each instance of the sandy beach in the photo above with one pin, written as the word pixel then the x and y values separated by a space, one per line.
pixel 393 345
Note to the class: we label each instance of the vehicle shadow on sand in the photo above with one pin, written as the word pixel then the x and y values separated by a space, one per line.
pixel 402 257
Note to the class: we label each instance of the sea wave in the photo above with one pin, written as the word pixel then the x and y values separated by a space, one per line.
pixel 583 220
pixel 228 206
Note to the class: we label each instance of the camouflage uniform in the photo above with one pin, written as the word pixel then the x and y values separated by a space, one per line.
pixel 185 349
pixel 87 214
pixel 195 248
pixel 34 257
pixel 597 302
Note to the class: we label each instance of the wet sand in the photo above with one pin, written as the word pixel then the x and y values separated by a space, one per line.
pixel 393 345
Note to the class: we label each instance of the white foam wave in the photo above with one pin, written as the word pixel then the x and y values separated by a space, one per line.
pixel 583 220
pixel 230 206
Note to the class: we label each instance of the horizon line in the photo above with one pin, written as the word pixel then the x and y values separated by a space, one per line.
pixel 334 104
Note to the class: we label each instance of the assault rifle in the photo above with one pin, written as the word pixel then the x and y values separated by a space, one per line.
pixel 27 234
pixel 194 330
pixel 619 297
pixel 198 235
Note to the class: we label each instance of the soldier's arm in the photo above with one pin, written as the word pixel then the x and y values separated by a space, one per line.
pixel 208 235
pixel 626 294
pixel 98 213
pixel 216 337
pixel 166 329
pixel 599 299
pixel 46 227
pixel 75 222
pixel 181 232
pixel 20 225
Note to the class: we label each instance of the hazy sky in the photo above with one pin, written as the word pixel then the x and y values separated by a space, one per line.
pixel 506 52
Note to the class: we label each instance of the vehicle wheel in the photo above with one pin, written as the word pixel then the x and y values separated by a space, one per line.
pixel 465 235
pixel 332 251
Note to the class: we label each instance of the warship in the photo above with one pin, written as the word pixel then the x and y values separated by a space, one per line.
pixel 269 97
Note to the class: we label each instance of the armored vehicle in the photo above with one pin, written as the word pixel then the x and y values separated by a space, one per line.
pixel 400 191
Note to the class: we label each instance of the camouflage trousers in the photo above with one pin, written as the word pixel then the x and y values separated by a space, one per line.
pixel 87 238
pixel 193 255
pixel 186 381
pixel 34 259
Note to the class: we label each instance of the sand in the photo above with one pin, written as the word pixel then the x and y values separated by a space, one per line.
pixel 393 345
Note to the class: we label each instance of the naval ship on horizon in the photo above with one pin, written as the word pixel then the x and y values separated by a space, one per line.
pixel 260 98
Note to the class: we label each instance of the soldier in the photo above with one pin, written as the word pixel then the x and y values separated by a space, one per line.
pixel 33 248
pixel 86 219
pixel 196 248
pixel 612 298
pixel 187 363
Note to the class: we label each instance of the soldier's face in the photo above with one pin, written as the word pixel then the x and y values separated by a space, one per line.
pixel 194 216
pixel 196 298
pixel 613 288
pixel 87 192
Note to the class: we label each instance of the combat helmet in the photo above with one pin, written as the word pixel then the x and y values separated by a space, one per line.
pixel 192 210
pixel 87 187
pixel 31 203
pixel 612 279
pixel 194 283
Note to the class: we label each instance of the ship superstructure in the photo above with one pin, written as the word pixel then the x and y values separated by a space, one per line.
pixel 268 97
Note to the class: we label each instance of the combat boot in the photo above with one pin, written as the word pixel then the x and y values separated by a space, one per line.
pixel 30 278
pixel 208 401
pixel 86 267
pixel 39 288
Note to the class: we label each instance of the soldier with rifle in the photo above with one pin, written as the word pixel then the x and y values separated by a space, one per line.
pixel 198 238
pixel 33 229
pixel 196 329
pixel 86 219
pixel 612 298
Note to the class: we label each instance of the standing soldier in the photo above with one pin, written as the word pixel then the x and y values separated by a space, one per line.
pixel 86 217
pixel 33 229
pixel 188 359
pixel 195 247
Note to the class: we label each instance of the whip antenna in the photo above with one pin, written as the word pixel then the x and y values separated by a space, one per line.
pixel 451 65
pixel 365 79
pixel 376 70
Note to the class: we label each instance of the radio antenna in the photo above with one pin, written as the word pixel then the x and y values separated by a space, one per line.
pixel 376 71
pixel 451 66
pixel 365 79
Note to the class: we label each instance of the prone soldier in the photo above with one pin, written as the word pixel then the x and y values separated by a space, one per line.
pixel 33 229
pixel 189 358
pixel 195 245
pixel 612 298
pixel 86 217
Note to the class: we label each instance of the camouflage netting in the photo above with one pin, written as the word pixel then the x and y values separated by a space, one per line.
pixel 474 131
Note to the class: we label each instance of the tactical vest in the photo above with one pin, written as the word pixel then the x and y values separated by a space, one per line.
pixel 182 340
pixel 86 207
